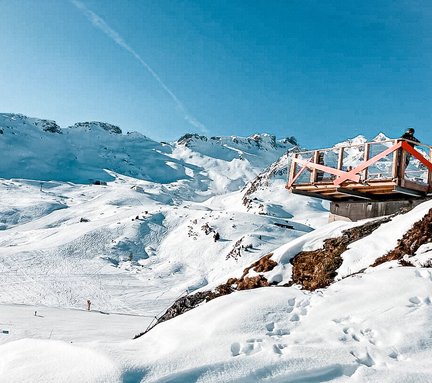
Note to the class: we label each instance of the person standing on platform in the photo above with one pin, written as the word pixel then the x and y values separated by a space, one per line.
pixel 409 135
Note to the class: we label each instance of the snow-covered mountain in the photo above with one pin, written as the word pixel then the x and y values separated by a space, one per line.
pixel 39 149
pixel 193 227
pixel 160 200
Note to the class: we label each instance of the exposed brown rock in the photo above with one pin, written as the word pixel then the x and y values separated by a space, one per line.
pixel 248 283
pixel 236 250
pixel 419 234
pixel 317 269
pixel 263 265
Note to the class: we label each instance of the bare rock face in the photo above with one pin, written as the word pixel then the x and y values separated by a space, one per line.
pixel 49 126
pixel 278 169
pixel 104 125
pixel 418 235
pixel 189 137
pixel 235 252
pixel 317 269
pixel 249 283
pixel 263 265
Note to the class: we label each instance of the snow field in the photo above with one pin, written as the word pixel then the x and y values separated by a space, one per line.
pixel 135 245
pixel 365 328
pixel 362 326
pixel 63 257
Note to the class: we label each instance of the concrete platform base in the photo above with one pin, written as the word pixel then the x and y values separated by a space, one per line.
pixel 357 210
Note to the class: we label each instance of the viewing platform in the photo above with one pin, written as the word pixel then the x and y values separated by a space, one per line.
pixel 369 171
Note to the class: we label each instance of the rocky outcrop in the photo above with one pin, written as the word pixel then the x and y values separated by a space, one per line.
pixel 104 125
pixel 189 137
pixel 317 268
pixel 263 265
pixel 419 234
pixel 49 126
pixel 278 169
pixel 46 125
pixel 235 252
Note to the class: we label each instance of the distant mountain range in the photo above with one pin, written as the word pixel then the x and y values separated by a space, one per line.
pixel 39 149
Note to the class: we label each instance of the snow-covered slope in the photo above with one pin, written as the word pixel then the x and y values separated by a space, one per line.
pixel 78 242
pixel 368 327
pixel 63 243
pixel 182 218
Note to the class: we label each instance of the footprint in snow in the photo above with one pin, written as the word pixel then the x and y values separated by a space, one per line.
pixel 363 358
pixel 352 332
pixel 367 343
pixel 291 302
pixel 299 309
pixel 425 274
pixel 396 355
pixel 274 330
pixel 252 346
pixel 417 302
pixel 414 301
pixel 235 349
pixel 270 326
pixel 277 348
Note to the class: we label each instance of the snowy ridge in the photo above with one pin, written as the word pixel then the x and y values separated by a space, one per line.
pixel 82 152
pixel 79 154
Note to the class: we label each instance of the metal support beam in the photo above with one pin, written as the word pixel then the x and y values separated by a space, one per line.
pixel 310 194
pixel 313 177
pixel 354 193
pixel 340 158
pixel 417 155
pixel 366 157
pixel 414 193
pixel 430 171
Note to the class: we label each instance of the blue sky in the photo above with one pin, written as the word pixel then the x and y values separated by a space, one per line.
pixel 319 70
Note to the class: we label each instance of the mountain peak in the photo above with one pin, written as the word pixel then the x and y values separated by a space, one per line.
pixel 97 124
pixel 12 119
pixel 380 137
pixel 188 137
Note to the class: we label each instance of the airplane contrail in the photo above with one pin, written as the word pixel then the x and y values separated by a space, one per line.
pixel 101 24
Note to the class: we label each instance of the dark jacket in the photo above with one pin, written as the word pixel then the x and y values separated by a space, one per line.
pixel 409 136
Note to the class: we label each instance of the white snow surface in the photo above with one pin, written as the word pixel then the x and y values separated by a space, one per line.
pixel 136 244
pixel 368 328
